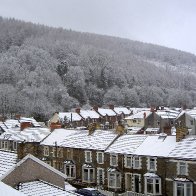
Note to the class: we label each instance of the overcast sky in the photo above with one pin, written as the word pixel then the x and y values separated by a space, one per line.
pixel 171 23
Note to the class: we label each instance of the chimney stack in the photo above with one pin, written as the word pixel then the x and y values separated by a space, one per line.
pixel 77 110
pixel 111 106
pixel 24 125
pixel 181 133
pixel 95 108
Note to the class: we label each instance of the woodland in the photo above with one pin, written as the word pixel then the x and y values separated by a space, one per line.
pixel 45 69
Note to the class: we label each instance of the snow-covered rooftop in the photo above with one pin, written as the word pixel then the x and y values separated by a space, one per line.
pixel 105 112
pixel 152 130
pixel 42 188
pixel 164 114
pixel 57 136
pixel 139 115
pixel 126 144
pixel 27 135
pixel 99 140
pixel 8 190
pixel 7 161
pixel 89 114
pixel 120 110
pixel 185 149
pixel 156 145
pixel 70 116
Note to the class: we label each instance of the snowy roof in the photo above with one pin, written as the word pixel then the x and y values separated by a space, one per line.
pixel 133 130
pixel 136 110
pixel 151 175
pixel 120 110
pixel 185 149
pixel 57 136
pixel 27 135
pixel 69 116
pixel 8 190
pixel 191 113
pixel 156 145
pixel 89 114
pixel 168 113
pixel 105 112
pixel 32 120
pixel 42 188
pixel 7 161
pixel 99 140
pixel 139 115
pixel 126 144
pixel 152 129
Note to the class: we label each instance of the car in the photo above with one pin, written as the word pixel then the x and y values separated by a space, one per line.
pixel 89 192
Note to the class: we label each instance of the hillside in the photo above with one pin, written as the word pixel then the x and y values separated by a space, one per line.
pixel 46 69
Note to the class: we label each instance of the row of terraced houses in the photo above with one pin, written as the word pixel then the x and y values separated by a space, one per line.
pixel 118 161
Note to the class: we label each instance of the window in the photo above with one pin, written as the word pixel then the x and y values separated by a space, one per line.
pixel 183 188
pixel 153 185
pixel 88 175
pixel 100 176
pixel 100 157
pixel 60 152
pixel 182 168
pixel 88 156
pixel 136 162
pixel 128 179
pixel 136 183
pixel 14 145
pixel 191 122
pixel 46 151
pixel 70 170
pixel 128 161
pixel 113 160
pixel 4 145
pixel 152 164
pixel 114 180
pixel 54 152
pixel 134 121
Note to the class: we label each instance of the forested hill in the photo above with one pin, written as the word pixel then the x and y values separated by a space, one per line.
pixel 47 69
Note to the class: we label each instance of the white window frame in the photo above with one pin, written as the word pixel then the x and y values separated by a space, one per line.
pixel 149 159
pixel 101 170
pixel 137 159
pixel 102 157
pixel 184 187
pixel 112 157
pixel 14 145
pixel 89 179
pixel 115 176
pixel 88 156
pixel 128 181
pixel 127 160
pixel 154 179
pixel 180 166
pixel 4 145
pixel 71 168
pixel 46 154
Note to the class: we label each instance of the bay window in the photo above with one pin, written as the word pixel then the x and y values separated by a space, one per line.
pixel 114 179
pixel 183 188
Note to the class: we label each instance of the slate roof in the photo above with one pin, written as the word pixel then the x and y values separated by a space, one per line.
pixel 7 161
pixel 157 145
pixel 89 114
pixel 8 190
pixel 139 115
pixel 57 136
pixel 42 188
pixel 99 140
pixel 105 112
pixel 126 144
pixel 185 149
pixel 69 116
pixel 27 135
pixel 120 110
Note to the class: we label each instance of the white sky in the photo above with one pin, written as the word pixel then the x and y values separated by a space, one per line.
pixel 171 23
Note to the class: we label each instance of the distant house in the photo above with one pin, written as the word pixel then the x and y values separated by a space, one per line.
pixel 66 119
pixel 89 116
pixel 187 118
pixel 108 118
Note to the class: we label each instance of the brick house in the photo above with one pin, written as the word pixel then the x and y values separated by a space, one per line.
pixel 108 118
